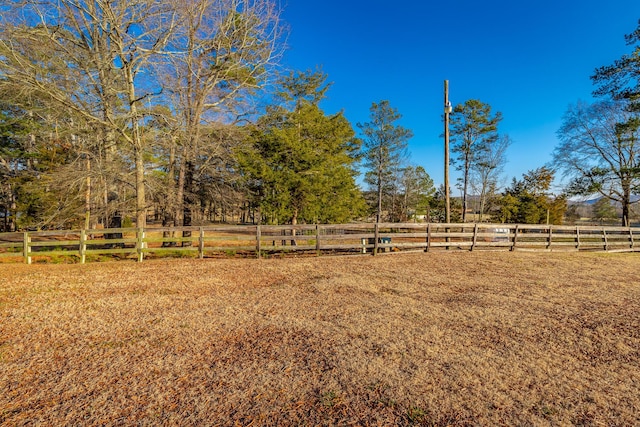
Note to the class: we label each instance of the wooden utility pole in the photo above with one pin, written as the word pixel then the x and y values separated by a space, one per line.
pixel 447 111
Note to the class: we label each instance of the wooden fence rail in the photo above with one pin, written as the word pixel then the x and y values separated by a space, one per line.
pixel 267 240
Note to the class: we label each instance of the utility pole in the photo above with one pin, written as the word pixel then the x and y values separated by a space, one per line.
pixel 447 111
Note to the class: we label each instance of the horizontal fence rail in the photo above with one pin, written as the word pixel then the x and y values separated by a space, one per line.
pixel 270 240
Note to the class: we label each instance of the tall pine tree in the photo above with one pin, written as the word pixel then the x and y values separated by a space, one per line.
pixel 384 149
pixel 473 130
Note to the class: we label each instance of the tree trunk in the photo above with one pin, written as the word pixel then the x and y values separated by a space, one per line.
pixel 138 155
pixel 115 222
pixel 465 184
pixel 168 214
pixel 87 196
pixel 179 202
pixel 379 212
pixel 405 205
pixel 108 153
pixel 626 203
pixel 13 226
pixel 294 221
pixel 187 200
pixel 141 203
pixel 483 196
pixel 184 193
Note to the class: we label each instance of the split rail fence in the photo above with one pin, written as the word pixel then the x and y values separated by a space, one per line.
pixel 266 240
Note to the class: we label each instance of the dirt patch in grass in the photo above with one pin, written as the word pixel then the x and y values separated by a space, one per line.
pixel 424 339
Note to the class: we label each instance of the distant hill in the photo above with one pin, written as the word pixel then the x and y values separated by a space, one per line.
pixel 589 202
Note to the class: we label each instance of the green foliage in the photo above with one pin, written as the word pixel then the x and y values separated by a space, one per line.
pixel 603 210
pixel 43 170
pixel 528 202
pixel 620 79
pixel 27 164
pixel 329 398
pixel 300 161
pixel 416 190
pixel 416 415
pixel 572 214
pixel 300 87
pixel 127 222
pixel 437 207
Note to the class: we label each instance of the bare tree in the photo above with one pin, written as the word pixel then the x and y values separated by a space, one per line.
pixel 486 169
pixel 222 52
pixel 90 58
pixel 600 150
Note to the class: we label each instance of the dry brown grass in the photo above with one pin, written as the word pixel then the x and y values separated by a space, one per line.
pixel 429 339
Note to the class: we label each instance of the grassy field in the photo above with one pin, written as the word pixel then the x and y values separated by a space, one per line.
pixel 425 339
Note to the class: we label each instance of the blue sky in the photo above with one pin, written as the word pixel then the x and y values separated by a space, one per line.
pixel 527 59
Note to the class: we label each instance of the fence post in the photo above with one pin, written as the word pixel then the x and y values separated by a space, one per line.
pixel 139 243
pixel 475 237
pixel 549 238
pixel 83 246
pixel 447 239
pixel 258 241
pixel 317 239
pixel 428 238
pixel 577 237
pixel 376 233
pixel 606 243
pixel 26 248
pixel 515 238
pixel 631 243
pixel 201 243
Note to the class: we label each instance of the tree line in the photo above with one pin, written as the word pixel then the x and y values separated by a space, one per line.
pixel 114 111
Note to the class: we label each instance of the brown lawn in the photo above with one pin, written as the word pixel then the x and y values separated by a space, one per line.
pixel 428 339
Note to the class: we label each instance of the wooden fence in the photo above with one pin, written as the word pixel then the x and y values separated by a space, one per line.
pixel 260 241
